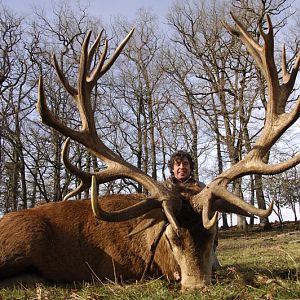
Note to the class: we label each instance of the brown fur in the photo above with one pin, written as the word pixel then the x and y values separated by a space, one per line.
pixel 63 242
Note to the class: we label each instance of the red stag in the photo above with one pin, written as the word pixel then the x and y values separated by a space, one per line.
pixel 134 234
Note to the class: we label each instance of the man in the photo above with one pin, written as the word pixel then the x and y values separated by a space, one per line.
pixel 182 179
pixel 181 166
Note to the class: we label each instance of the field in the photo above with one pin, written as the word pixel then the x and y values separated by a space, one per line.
pixel 257 265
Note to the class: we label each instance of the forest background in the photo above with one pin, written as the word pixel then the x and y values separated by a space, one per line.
pixel 182 82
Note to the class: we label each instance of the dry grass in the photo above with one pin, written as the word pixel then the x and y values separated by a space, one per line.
pixel 259 265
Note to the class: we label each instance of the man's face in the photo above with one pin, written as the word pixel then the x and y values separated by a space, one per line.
pixel 182 169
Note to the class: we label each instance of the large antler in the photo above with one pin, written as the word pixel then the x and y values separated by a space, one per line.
pixel 116 167
pixel 277 121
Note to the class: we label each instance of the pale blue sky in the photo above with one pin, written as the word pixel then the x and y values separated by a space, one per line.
pixel 101 8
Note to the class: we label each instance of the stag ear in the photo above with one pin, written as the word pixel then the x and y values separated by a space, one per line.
pixel 222 205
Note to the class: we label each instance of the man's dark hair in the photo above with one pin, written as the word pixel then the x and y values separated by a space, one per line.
pixel 179 155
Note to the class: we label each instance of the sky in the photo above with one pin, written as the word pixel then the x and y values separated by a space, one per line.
pixel 101 8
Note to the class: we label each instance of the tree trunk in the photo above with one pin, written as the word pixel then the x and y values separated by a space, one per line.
pixel 264 222
pixel 241 220
pixel 56 166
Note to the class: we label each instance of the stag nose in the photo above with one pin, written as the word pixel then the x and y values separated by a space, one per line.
pixel 191 282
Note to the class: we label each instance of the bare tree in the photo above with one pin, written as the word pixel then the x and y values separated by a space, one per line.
pixel 284 188
pixel 136 85
pixel 65 31
pixel 16 105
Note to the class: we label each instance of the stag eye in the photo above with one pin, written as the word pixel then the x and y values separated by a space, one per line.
pixel 177 240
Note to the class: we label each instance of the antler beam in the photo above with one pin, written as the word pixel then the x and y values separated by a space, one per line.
pixel 277 121
pixel 116 167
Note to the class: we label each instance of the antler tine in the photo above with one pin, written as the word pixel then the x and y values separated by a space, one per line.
pixel 48 117
pixel 83 99
pixel 254 48
pixel 285 73
pixel 93 49
pixel 79 189
pixel 289 78
pixel 208 222
pixel 84 176
pixel 222 193
pixel 97 71
pixel 71 90
pixel 102 176
pixel 125 214
pixel 116 53
pixel 269 68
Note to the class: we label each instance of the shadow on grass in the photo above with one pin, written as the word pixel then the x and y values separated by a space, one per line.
pixel 254 276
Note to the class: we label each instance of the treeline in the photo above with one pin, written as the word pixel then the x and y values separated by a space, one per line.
pixel 187 85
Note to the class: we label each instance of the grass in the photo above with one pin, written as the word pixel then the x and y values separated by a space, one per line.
pixel 259 265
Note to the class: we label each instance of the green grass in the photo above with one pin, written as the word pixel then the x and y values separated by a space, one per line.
pixel 259 265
